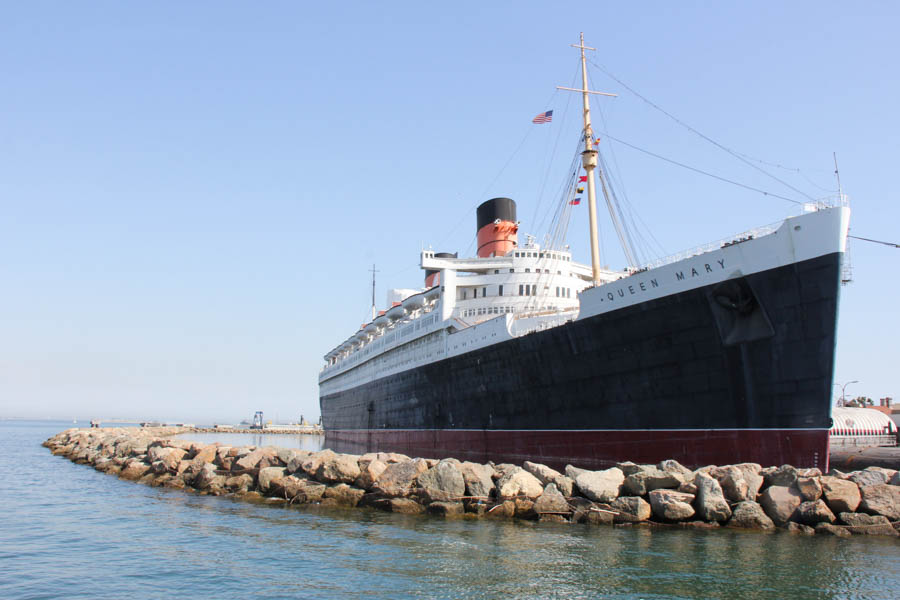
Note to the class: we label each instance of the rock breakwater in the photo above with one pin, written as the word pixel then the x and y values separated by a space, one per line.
pixel 743 496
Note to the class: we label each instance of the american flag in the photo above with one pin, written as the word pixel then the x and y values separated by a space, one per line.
pixel 544 117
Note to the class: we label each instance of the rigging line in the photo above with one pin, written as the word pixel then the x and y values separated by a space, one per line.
pixel 707 138
pixel 502 169
pixel 675 162
pixel 892 244
pixel 540 199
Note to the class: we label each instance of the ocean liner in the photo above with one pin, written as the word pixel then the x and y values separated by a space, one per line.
pixel 719 355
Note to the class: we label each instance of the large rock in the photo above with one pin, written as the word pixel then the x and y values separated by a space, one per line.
pixel 134 469
pixel 631 509
pixel 881 499
pixel 829 529
pixel 342 495
pixel 446 509
pixel 710 501
pixel 239 483
pixel 813 513
pixel 406 506
pixel 809 487
pixel 443 482
pixel 551 501
pixel 369 472
pixel 257 459
pixel 784 475
pixel 799 528
pixel 573 472
pixel 296 489
pixel 479 479
pixel 206 454
pixel 170 457
pixel 750 515
pixel 650 478
pixel 398 479
pixel 338 468
pixel 630 468
pixel 739 482
pixel 670 505
pixel 207 478
pixel 868 524
pixel 547 475
pixel 867 477
pixel 267 474
pixel 310 463
pixel 601 486
pixel 519 482
pixel 675 467
pixel 840 495
pixel 780 502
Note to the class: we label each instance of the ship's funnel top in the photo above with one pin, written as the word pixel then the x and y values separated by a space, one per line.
pixel 497 227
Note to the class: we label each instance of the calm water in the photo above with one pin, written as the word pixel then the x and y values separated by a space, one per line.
pixel 67 531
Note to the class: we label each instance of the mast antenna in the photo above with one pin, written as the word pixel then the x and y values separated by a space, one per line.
pixel 589 162
pixel 373 270
pixel 838 176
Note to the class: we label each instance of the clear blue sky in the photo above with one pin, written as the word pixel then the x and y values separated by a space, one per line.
pixel 191 193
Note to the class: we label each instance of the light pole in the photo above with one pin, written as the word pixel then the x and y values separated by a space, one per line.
pixel 844 390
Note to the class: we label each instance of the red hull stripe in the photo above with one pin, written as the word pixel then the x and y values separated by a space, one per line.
pixel 596 449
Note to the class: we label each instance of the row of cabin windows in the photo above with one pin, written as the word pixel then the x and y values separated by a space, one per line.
pixel 552 255
pixel 497 271
pixel 524 290
pixel 488 310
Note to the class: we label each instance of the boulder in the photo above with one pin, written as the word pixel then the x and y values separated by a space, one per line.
pixel 829 529
pixel 524 508
pixel 338 468
pixel 392 457
pixel 670 505
pixel 799 528
pixel 750 515
pixel 809 487
pixel 239 483
pixel 551 501
pixel 867 477
pixel 446 509
pixel 688 487
pixel 369 472
pixel 881 499
pixel 840 495
pixel 397 479
pixel 601 486
pixel 868 524
pixel 710 501
pixel 207 477
pixel 784 475
pixel 170 457
pixel 405 506
pixel 519 482
pixel 343 495
pixel 547 475
pixel 443 482
pixel 573 472
pixel 895 479
pixel 739 482
pixel 267 474
pixel 134 470
pixel 630 509
pixel 813 513
pixel 503 510
pixel 205 454
pixel 630 468
pixel 296 489
pixel 675 467
pixel 259 458
pixel 780 502
pixel 479 479
pixel 650 478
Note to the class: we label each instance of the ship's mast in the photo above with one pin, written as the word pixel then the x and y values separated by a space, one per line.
pixel 374 313
pixel 589 162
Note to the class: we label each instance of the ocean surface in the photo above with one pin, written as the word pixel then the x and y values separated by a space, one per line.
pixel 67 531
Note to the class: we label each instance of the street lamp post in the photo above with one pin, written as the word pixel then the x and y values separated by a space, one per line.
pixel 844 391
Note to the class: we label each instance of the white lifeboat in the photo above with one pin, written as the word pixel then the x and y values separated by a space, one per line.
pixel 414 302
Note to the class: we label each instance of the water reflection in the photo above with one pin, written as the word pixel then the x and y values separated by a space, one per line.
pixel 309 442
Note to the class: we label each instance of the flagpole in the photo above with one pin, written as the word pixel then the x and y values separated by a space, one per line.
pixel 589 162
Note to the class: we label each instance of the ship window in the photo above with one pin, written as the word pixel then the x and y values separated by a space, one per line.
pixel 475 292
pixel 528 270
pixel 559 272
pixel 484 292
pixel 534 290
pixel 512 270
pixel 557 291
pixel 517 255
pixel 496 271
pixel 520 289
pixel 500 290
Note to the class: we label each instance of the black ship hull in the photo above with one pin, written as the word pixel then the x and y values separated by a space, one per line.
pixel 737 371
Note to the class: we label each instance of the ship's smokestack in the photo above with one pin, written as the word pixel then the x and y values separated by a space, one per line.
pixel 432 277
pixel 497 227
